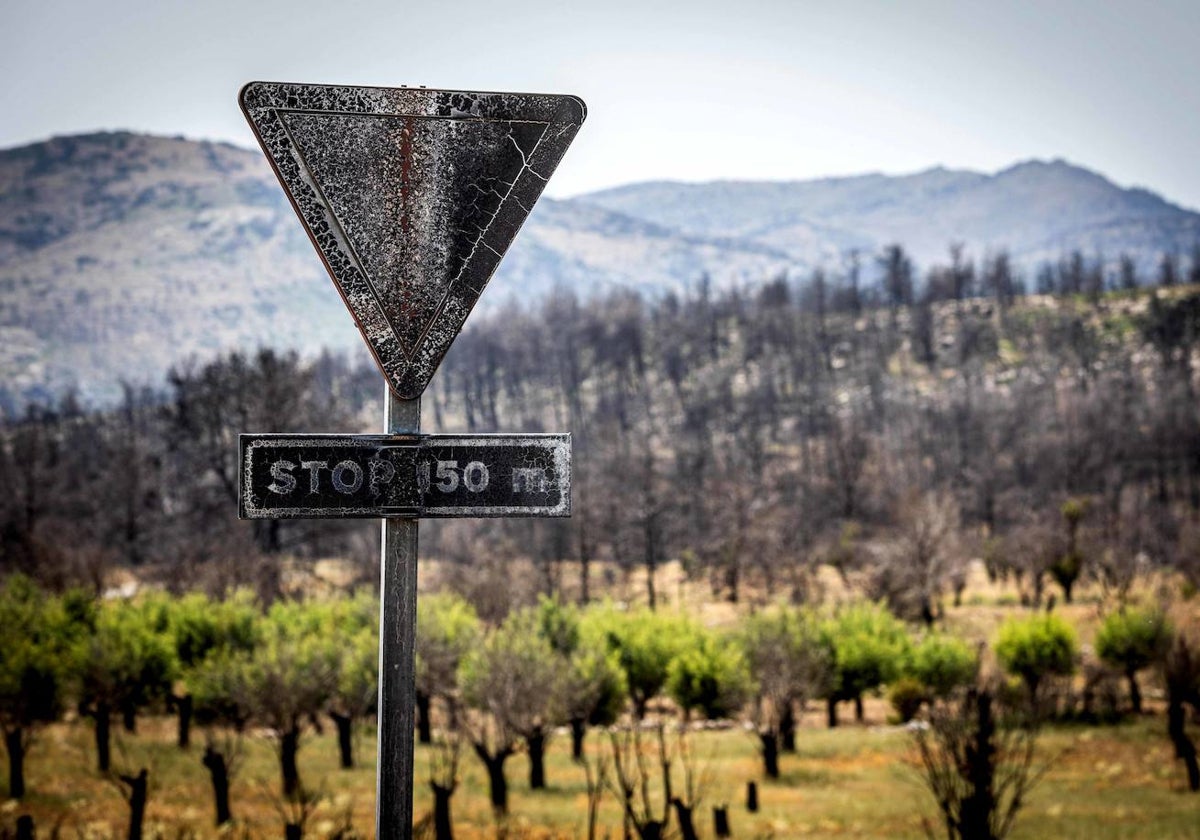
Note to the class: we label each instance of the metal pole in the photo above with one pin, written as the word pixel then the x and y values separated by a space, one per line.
pixel 397 648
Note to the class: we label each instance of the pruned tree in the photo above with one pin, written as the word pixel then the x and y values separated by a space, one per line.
pixel 1182 674
pixel 1037 648
pixel 867 646
pixel 1133 639
pixel 789 666
pixel 447 628
pixel 512 681
pixel 126 663
pixel 978 762
pixel 632 781
pixel 443 780
pixel 645 642
pixel 285 683
pixel 710 675
pixel 37 642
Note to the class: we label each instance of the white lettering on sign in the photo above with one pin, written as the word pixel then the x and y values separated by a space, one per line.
pixel 529 480
pixel 447 476
pixel 284 482
pixel 475 476
pixel 340 483
pixel 314 474
pixel 379 472
pixel 347 476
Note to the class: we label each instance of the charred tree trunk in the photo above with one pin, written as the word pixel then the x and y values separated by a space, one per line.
pixel 139 787
pixel 535 744
pixel 578 733
pixel 103 720
pixel 752 797
pixel 683 813
pixel 14 744
pixel 770 752
pixel 981 760
pixel 1135 692
pixel 218 772
pixel 787 729
pixel 1185 749
pixel 183 709
pixel 652 830
pixel 497 784
pixel 293 831
pixel 25 827
pixel 424 726
pixel 721 822
pixel 831 711
pixel 345 737
pixel 289 745
pixel 858 709
pixel 129 717
pixel 442 829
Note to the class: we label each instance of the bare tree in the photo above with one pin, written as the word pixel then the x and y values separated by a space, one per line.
pixel 978 762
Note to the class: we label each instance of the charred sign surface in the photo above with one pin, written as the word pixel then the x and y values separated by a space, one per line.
pixel 411 197
pixel 339 476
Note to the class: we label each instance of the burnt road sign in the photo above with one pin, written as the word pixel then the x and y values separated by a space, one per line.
pixel 343 476
pixel 411 196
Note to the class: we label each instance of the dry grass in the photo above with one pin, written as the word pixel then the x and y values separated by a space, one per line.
pixel 854 781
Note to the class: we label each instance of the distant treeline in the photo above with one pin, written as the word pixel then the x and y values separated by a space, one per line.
pixel 891 429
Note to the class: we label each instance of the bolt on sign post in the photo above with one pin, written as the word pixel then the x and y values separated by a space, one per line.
pixel 411 196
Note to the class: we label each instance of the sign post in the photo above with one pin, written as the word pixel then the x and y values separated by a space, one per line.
pixel 397 650
pixel 411 197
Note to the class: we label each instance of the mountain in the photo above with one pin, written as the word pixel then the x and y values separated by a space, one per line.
pixel 1037 210
pixel 122 254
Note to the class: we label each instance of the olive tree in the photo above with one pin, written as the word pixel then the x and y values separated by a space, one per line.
pixel 788 666
pixel 125 663
pixel 594 685
pixel 709 674
pixel 285 682
pixel 354 623
pixel 447 628
pixel 199 627
pixel 36 638
pixel 867 647
pixel 1035 648
pixel 645 642
pixel 512 681
pixel 1132 639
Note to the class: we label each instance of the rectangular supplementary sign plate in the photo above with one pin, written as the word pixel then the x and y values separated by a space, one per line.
pixel 295 476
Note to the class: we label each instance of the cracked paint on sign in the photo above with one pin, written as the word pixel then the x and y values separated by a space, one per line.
pixel 286 476
pixel 411 196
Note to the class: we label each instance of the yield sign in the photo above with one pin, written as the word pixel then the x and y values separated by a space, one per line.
pixel 411 196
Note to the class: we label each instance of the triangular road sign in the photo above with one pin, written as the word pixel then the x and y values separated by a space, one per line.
pixel 411 196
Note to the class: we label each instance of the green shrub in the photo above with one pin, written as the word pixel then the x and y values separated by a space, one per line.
pixel 710 675
pixel 943 663
pixel 906 696
pixel 644 641
pixel 1037 647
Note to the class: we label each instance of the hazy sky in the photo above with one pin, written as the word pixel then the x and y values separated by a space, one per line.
pixel 695 91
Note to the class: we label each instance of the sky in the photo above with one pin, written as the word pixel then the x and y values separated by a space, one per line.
pixel 744 89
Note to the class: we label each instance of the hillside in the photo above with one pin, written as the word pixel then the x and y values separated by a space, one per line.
pixel 122 254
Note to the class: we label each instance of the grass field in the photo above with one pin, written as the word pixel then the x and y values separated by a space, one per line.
pixel 855 781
